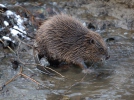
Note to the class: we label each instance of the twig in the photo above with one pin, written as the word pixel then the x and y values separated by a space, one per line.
pixel 24 33
pixel 8 47
pixel 30 78
pixel 1 88
pixel 25 10
pixel 23 42
pixel 52 70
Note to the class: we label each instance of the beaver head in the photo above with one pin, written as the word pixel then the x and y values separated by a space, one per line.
pixel 96 49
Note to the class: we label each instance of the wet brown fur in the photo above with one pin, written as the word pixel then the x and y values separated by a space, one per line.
pixel 64 38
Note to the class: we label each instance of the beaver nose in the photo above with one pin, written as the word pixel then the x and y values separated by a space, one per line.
pixel 107 57
pixel 107 54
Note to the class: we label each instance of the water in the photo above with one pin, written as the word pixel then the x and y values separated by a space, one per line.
pixel 114 80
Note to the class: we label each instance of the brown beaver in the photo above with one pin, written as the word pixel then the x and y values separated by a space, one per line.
pixel 64 38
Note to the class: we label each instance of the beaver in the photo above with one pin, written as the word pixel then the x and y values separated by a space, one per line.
pixel 64 38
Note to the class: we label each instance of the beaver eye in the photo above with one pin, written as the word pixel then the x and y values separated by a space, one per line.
pixel 101 49
pixel 91 41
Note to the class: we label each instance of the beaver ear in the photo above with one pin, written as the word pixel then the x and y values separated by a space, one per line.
pixel 91 41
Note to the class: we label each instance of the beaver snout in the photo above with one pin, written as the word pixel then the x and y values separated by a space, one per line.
pixel 107 57
pixel 103 58
pixel 107 54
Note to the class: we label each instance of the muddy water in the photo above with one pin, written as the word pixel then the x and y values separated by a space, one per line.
pixel 114 80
